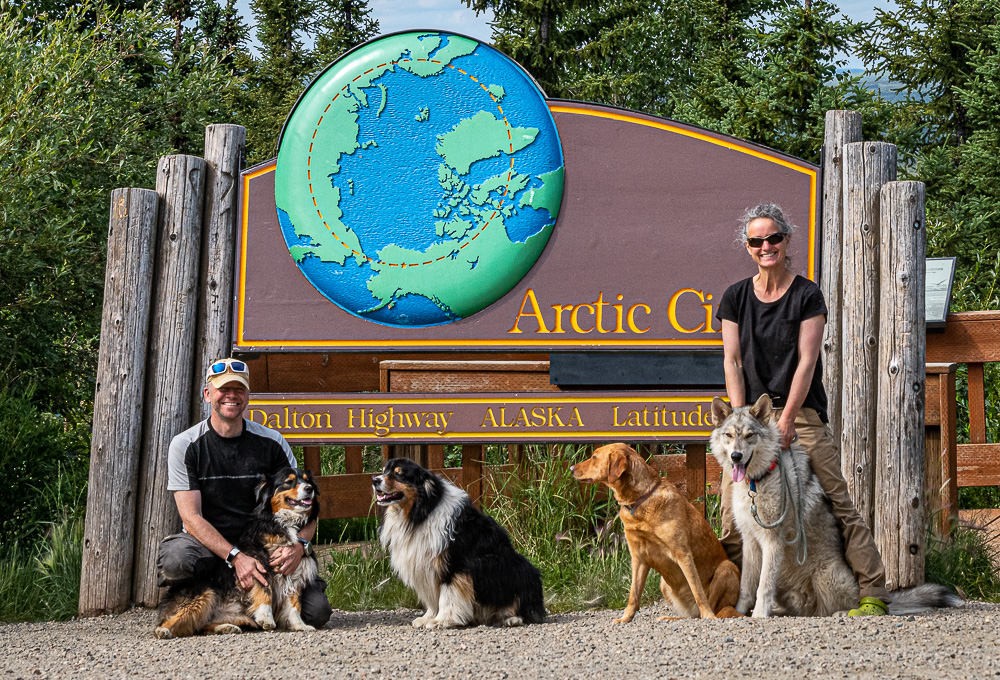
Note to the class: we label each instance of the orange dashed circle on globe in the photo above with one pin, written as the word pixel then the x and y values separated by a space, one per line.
pixel 418 179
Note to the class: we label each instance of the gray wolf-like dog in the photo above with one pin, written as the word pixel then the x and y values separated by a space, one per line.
pixel 772 581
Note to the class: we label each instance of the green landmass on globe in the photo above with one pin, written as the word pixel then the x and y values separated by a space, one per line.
pixel 469 218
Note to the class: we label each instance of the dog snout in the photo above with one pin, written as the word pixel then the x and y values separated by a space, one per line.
pixel 736 456
pixel 376 480
pixel 572 468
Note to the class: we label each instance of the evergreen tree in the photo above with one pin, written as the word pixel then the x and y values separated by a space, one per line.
pixel 343 25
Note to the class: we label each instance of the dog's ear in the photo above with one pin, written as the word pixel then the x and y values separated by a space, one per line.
pixel 720 410
pixel 617 466
pixel 308 476
pixel 262 493
pixel 761 411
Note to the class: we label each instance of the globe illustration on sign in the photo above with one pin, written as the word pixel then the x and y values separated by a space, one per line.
pixel 418 179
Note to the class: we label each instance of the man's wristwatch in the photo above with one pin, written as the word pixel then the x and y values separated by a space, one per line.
pixel 306 546
pixel 232 556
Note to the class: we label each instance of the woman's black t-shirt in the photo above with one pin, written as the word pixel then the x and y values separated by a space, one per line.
pixel 769 339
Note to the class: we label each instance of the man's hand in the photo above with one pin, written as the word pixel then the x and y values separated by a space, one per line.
pixel 248 569
pixel 286 558
pixel 787 431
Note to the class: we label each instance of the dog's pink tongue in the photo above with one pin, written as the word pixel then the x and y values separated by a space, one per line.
pixel 739 472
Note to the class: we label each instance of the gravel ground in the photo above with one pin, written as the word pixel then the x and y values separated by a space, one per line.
pixel 960 643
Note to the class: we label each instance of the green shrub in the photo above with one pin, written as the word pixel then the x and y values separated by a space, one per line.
pixel 966 562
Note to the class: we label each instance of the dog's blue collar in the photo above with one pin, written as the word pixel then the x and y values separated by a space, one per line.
pixel 753 482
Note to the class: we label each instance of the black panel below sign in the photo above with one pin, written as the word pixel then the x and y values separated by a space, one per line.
pixel 676 369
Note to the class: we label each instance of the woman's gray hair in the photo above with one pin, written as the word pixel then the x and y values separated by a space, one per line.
pixel 771 211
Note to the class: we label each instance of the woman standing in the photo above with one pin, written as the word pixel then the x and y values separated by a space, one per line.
pixel 772 330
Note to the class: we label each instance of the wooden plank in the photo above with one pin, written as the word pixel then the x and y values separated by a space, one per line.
pixel 170 363
pixel 694 463
pixel 842 127
pixel 435 456
pixel 354 459
pixel 900 526
pixel 312 460
pixel 472 471
pixel 867 167
pixel 468 376
pixel 978 465
pixel 967 337
pixel 115 445
pixel 977 404
pixel 224 150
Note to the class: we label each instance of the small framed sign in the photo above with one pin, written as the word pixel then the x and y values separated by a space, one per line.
pixel 940 275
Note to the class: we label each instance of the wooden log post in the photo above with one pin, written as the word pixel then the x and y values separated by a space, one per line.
pixel 224 149
pixel 842 127
pixel 901 515
pixel 108 538
pixel 180 184
pixel 867 167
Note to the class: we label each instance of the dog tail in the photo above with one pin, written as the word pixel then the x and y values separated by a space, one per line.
pixel 921 598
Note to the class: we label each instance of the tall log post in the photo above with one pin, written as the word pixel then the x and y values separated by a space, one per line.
pixel 842 127
pixel 900 519
pixel 106 575
pixel 180 184
pixel 867 167
pixel 224 149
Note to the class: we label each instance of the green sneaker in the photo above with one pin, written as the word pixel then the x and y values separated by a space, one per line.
pixel 870 606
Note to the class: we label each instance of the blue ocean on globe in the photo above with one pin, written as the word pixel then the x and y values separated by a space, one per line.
pixel 391 192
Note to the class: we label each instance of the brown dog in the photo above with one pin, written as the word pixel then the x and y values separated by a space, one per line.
pixel 665 533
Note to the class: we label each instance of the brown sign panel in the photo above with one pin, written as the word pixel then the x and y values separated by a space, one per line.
pixel 639 257
pixel 349 418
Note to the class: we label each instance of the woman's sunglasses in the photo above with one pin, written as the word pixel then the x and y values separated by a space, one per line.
pixel 232 366
pixel 774 239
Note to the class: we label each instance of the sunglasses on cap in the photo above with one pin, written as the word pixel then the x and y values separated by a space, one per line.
pixel 226 366
pixel 774 239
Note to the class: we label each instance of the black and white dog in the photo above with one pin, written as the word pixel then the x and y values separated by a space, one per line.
pixel 459 561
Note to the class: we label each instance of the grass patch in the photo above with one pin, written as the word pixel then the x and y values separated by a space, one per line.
pixel 43 583
pixel 966 562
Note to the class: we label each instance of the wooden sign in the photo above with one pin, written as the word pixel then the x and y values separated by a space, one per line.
pixel 484 418
pixel 384 225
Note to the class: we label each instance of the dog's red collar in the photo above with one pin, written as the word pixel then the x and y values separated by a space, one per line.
pixel 631 508
pixel 753 482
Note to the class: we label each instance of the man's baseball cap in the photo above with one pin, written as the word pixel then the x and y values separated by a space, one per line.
pixel 225 371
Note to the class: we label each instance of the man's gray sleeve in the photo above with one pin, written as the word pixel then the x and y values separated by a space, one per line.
pixel 177 471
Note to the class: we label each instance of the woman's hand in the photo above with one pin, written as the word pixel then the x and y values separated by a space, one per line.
pixel 786 430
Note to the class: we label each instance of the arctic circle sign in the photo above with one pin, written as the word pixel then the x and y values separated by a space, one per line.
pixel 418 179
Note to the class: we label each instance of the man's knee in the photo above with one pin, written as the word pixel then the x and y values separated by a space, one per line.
pixel 180 558
pixel 316 610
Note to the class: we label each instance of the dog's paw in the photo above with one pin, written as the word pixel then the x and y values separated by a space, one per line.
pixel 302 628
pixel 226 629
pixel 264 617
pixel 624 619
pixel 163 633
pixel 512 621
pixel 669 618
pixel 761 613
pixel 422 621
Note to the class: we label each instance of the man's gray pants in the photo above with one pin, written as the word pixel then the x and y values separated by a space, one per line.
pixel 183 558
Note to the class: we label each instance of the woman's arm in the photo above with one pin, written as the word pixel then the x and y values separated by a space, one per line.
pixel 733 362
pixel 810 340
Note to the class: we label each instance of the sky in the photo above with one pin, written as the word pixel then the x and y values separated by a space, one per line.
pixel 453 15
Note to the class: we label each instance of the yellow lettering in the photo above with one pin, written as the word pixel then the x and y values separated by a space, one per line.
pixel 263 415
pixel 575 415
pixel 379 421
pixel 522 419
pixel 696 412
pixel 599 304
pixel 312 421
pixel 554 415
pixel 538 415
pixel 559 310
pixel 536 312
pixel 672 310
pixel 708 315
pixel 618 314
pixel 614 416
pixel 274 421
pixel 573 321
pixel 329 425
pixel 631 317
pixel 489 418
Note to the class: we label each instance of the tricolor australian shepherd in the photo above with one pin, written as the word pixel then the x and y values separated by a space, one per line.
pixel 459 560
pixel 216 603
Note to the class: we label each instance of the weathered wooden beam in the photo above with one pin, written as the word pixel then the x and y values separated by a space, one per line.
pixel 225 146
pixel 940 460
pixel 901 511
pixel 180 182
pixel 842 127
pixel 108 538
pixel 867 167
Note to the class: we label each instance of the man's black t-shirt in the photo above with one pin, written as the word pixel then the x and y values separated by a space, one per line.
pixel 769 339
pixel 225 470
